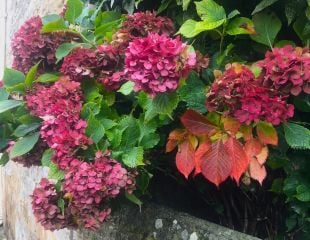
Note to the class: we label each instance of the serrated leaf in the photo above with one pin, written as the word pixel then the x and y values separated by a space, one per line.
pixel 210 11
pixel 4 159
pixel 23 129
pixel 262 5
pixel 185 158
pixel 30 77
pixel 6 105
pixel 197 123
pixel 165 103
pixel 297 136
pixel 107 123
pixel 46 157
pixel 193 93
pixel 55 172
pixel 133 157
pixel 148 138
pixel 64 49
pixel 24 145
pixel 47 78
pixel 240 25
pixel 74 10
pixel 131 132
pixel 216 164
pixel 126 88
pixel 12 77
pixel 94 129
pixel 266 133
pixel 267 27
pixel 55 26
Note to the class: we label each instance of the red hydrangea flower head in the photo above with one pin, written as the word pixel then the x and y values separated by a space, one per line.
pixel 29 45
pixel 156 63
pixel 286 69
pixel 236 92
pixel 80 64
pixel 45 208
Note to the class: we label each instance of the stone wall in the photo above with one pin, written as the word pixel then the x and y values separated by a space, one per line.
pixel 127 223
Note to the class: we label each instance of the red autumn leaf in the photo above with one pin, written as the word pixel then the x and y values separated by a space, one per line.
pixel 257 171
pixel 231 124
pixel 216 164
pixel 201 150
pixel 253 147
pixel 246 132
pixel 185 158
pixel 197 124
pixel 262 156
pixel 174 138
pixel 240 160
pixel 267 133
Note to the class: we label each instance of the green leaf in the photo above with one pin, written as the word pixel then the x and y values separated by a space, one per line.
pixel 90 109
pixel 126 88
pixel 4 95
pixel 6 105
pixel 262 5
pixel 303 193
pixel 23 129
pixel 134 199
pixel 47 78
pixel 185 4
pixel 240 25
pixel 193 93
pixel 55 172
pixel 115 137
pixel 12 77
pixel 302 28
pixel 24 145
pixel 133 157
pixel 61 205
pixel 94 129
pixel 267 27
pixel 277 185
pixel 3 143
pixel 131 132
pixel 302 102
pixel 107 123
pixel 74 10
pixel 233 14
pixel 46 157
pixel 210 11
pixel 256 70
pixel 58 25
pixel 148 138
pixel 4 159
pixel 297 136
pixel 129 6
pixel 50 18
pixel 30 77
pixel 64 50
pixel 165 103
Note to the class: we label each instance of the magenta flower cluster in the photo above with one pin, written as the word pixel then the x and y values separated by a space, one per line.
pixel 59 106
pixel 238 93
pixel 287 70
pixel 156 63
pixel 30 46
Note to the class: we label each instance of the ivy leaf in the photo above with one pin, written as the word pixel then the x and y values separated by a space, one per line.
pixel 12 77
pixel 55 26
pixel 94 129
pixel 266 133
pixel 197 123
pixel 55 173
pixel 23 129
pixel 47 78
pixel 126 88
pixel 4 159
pixel 262 5
pixel 6 105
pixel 30 77
pixel 216 164
pixel 297 136
pixel 210 11
pixel 46 157
pixel 74 10
pixel 240 25
pixel 267 27
pixel 24 145
pixel 239 159
pixel 185 158
pixel 64 50
pixel 133 157
pixel 193 93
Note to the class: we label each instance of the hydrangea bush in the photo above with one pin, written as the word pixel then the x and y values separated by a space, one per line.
pixel 92 93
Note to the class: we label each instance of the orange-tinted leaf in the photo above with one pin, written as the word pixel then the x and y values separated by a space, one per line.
pixel 193 141
pixel 197 123
pixel 262 156
pixel 267 133
pixel 246 132
pixel 170 145
pixel 239 158
pixel 176 136
pixel 231 124
pixel 216 164
pixel 257 171
pixel 253 147
pixel 185 158
pixel 201 150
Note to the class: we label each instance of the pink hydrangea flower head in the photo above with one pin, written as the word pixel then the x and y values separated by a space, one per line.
pixel 286 69
pixel 156 63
